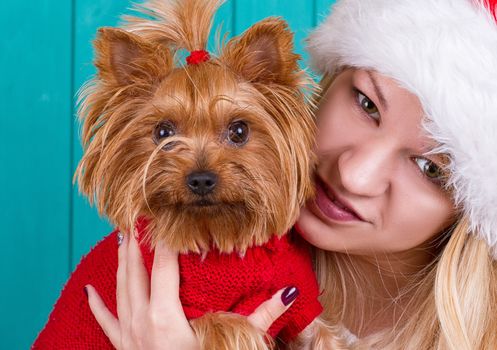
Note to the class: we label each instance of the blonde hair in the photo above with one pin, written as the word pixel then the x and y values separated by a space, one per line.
pixel 454 298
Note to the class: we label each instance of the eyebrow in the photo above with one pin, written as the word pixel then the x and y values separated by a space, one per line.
pixel 378 91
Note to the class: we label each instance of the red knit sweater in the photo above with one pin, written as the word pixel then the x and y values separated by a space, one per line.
pixel 219 282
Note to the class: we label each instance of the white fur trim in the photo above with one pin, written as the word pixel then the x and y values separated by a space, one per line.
pixel 445 52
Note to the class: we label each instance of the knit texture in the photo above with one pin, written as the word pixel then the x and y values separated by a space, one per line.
pixel 217 282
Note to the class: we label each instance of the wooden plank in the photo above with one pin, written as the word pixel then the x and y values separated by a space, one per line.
pixel 223 22
pixel 35 125
pixel 87 227
pixel 323 8
pixel 299 14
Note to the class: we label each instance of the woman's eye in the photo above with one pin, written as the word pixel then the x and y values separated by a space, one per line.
pixel 163 130
pixel 238 132
pixel 368 106
pixel 432 171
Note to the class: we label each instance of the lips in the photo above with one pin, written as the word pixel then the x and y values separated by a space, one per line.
pixel 331 206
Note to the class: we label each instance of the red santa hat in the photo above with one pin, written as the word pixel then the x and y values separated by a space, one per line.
pixel 445 52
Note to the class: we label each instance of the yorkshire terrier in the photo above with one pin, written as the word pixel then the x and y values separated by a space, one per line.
pixel 214 157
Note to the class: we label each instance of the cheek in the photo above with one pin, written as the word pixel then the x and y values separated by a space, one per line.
pixel 416 216
pixel 339 125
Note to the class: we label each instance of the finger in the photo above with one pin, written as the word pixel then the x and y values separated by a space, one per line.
pixel 123 307
pixel 106 320
pixel 138 282
pixel 164 291
pixel 269 311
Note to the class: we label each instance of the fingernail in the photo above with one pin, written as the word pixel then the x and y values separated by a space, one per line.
pixel 120 238
pixel 289 295
pixel 86 291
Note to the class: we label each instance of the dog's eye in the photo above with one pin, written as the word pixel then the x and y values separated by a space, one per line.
pixel 238 132
pixel 163 130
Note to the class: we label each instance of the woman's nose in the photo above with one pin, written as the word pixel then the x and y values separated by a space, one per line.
pixel 366 170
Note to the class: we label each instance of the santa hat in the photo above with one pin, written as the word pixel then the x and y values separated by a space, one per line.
pixel 445 52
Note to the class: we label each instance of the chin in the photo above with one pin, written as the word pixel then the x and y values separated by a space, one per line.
pixel 315 231
pixel 323 236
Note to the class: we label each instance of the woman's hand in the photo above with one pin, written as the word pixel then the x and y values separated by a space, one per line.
pixel 150 315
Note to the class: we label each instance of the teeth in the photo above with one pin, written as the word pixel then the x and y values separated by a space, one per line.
pixel 340 205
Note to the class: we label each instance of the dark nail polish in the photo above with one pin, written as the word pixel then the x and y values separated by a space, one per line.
pixel 86 291
pixel 289 295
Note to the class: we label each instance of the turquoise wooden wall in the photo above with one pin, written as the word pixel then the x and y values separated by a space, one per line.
pixel 45 226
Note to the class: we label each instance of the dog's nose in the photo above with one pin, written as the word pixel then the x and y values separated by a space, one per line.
pixel 202 182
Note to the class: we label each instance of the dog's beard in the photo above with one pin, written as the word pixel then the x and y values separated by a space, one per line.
pixel 203 224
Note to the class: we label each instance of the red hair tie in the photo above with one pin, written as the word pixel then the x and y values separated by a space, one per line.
pixel 197 57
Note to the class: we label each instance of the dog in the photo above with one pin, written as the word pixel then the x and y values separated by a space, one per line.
pixel 213 157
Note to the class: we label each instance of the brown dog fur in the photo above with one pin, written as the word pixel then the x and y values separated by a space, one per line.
pixel 140 91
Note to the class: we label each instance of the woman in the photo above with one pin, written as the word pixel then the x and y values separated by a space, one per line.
pixel 405 219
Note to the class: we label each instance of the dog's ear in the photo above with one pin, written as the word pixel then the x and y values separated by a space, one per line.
pixel 124 58
pixel 264 53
